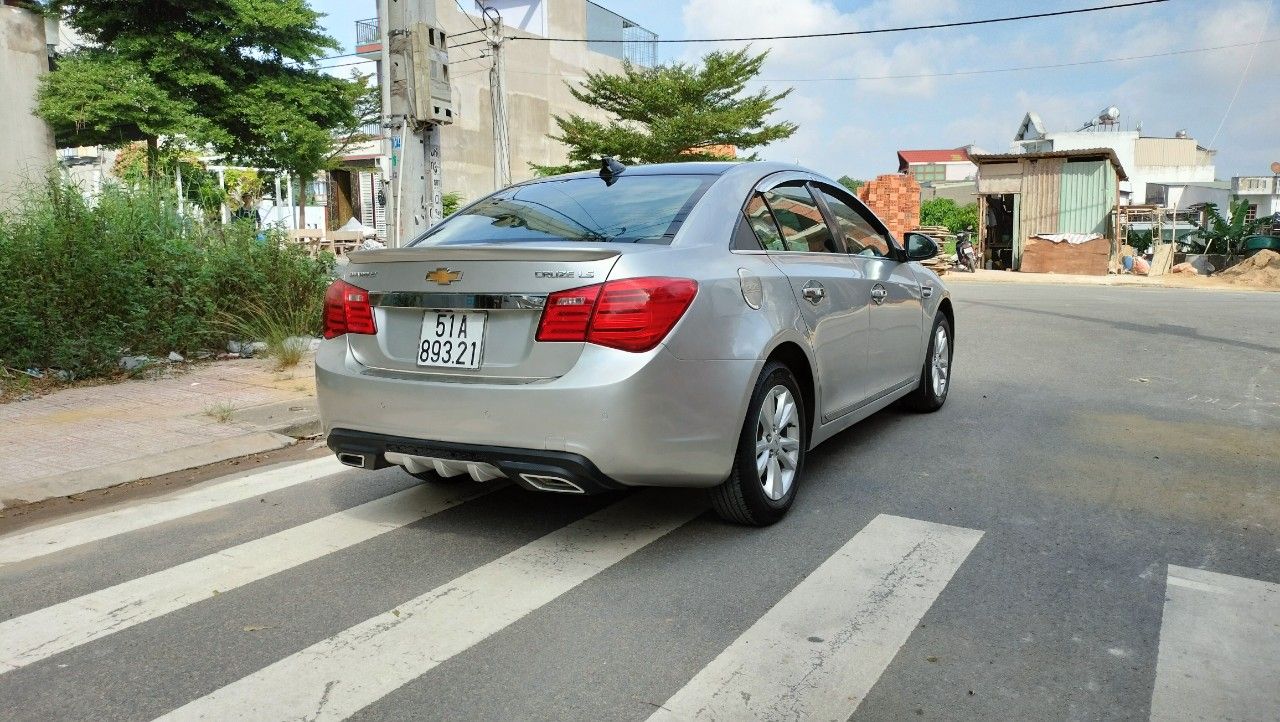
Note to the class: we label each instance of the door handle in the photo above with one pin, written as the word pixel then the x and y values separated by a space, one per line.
pixel 813 292
pixel 878 294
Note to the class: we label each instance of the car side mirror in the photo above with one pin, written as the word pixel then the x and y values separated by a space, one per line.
pixel 921 247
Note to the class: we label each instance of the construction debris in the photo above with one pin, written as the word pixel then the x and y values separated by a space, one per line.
pixel 1261 270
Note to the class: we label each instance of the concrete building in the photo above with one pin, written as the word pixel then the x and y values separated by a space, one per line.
pixel 26 143
pixel 1262 193
pixel 1174 161
pixel 536 90
pixel 936 166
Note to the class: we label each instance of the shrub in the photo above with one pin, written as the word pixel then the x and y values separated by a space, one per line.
pixel 81 283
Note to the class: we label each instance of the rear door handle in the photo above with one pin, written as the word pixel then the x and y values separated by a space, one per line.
pixel 813 292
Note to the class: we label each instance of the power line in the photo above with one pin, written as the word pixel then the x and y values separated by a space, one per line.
pixel 467 15
pixel 874 31
pixel 984 71
pixel 1244 73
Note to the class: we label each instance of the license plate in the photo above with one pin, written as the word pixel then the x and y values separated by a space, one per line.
pixel 452 339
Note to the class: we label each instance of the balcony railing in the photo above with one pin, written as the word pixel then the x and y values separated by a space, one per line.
pixel 367 32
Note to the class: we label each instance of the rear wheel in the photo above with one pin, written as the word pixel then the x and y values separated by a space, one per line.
pixel 770 457
pixel 935 377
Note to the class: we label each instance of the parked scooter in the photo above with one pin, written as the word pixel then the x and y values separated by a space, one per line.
pixel 966 255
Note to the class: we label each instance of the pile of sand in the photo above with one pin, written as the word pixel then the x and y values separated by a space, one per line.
pixel 1261 270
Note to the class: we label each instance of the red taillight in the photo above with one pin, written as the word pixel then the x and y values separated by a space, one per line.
pixel 347 310
pixel 632 314
pixel 567 313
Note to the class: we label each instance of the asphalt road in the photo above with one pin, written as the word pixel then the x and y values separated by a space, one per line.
pixel 1090 529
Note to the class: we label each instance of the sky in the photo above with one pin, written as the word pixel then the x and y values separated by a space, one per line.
pixel 854 122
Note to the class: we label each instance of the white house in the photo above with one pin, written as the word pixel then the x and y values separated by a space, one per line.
pixel 1175 161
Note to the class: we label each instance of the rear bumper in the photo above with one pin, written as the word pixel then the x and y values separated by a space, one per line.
pixel 514 463
pixel 616 419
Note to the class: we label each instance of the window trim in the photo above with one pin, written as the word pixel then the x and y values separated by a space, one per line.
pixel 769 182
pixel 896 252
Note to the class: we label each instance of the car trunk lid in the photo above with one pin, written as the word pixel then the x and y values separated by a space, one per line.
pixel 409 287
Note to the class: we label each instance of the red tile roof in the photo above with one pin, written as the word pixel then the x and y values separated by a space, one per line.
pixel 949 155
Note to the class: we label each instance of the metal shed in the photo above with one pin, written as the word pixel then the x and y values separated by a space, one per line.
pixel 1024 195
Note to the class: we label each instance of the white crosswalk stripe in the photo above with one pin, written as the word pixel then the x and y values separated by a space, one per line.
pixel 48 540
pixel 1219 648
pixel 816 654
pixel 32 637
pixel 338 676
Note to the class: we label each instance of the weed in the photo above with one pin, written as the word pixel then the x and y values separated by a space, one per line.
pixel 222 412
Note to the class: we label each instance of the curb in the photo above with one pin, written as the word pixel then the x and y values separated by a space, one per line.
pixel 166 462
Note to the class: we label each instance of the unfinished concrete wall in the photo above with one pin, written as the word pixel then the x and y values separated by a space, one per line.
pixel 536 91
pixel 26 143
pixel 895 198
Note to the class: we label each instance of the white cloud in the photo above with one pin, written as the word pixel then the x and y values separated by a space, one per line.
pixel 856 127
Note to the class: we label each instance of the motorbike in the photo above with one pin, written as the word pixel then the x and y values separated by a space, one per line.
pixel 966 256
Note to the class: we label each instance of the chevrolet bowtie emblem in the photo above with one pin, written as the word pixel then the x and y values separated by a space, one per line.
pixel 444 276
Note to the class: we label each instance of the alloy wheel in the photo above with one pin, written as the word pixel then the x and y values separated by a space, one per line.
pixel 941 361
pixel 777 442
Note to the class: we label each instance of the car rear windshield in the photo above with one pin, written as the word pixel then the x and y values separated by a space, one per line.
pixel 635 209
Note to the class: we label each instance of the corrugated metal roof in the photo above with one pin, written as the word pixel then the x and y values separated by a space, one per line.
pixel 1075 153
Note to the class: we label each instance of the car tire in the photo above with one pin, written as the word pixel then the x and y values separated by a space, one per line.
pixel 759 498
pixel 931 395
pixel 431 477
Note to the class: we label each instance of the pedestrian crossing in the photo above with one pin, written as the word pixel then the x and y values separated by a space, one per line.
pixel 815 653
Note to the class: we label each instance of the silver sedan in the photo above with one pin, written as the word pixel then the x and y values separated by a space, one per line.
pixel 693 324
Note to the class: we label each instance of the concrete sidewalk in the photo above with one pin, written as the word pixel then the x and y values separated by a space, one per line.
pixel 1172 280
pixel 93 437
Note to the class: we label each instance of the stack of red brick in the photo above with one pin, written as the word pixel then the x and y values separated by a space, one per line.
pixel 895 198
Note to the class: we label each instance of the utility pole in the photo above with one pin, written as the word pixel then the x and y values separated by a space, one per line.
pixel 417 99
pixel 498 100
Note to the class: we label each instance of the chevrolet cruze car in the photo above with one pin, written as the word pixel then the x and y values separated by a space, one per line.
pixel 691 324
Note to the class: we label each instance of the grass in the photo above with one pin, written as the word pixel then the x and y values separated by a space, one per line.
pixel 287 329
pixel 222 412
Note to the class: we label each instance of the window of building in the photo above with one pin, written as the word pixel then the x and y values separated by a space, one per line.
pixel 927 172
pixel 1252 213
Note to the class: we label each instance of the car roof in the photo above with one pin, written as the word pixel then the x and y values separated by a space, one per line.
pixel 716 168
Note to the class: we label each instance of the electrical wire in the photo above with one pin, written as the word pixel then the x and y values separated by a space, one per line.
pixel 1244 73
pixel 874 31
pixel 467 15
pixel 984 71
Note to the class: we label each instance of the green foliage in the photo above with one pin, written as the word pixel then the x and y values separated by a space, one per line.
pixel 1140 240
pixel 946 212
pixel 200 186
pixel 452 202
pixel 671 113
pixel 98 97
pixel 221 72
pixel 85 283
pixel 851 184
pixel 1226 235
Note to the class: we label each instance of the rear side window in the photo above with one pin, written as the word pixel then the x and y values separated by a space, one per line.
pixel 761 222
pixel 803 228
pixel 859 236
pixel 635 209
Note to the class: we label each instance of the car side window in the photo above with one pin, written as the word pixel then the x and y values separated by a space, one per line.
pixel 761 221
pixel 801 221
pixel 860 237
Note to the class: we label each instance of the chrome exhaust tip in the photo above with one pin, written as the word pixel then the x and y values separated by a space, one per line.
pixel 356 460
pixel 551 483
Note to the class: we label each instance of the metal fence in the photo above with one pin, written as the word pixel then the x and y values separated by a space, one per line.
pixel 367 32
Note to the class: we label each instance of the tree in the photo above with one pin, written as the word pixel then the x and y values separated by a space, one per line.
pixel 198 69
pixel 946 212
pixel 851 184
pixel 671 113
pixel 1226 235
